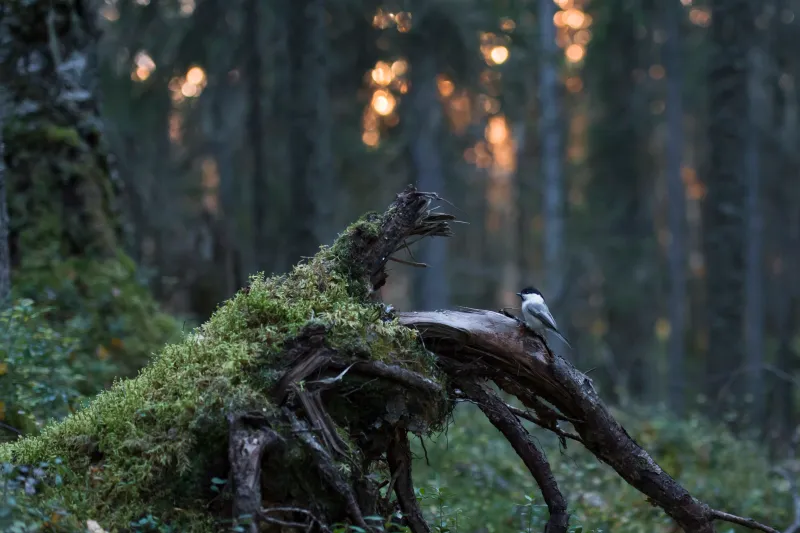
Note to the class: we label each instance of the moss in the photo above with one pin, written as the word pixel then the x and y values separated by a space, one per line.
pixel 66 251
pixel 152 444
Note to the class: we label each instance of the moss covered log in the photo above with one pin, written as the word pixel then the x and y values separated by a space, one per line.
pixel 66 238
pixel 159 444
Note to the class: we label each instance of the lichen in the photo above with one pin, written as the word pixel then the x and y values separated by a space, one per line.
pixel 153 443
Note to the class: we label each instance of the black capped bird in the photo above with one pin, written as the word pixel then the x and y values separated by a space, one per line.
pixel 536 315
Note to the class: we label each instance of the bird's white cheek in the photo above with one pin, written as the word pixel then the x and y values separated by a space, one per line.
pixel 536 299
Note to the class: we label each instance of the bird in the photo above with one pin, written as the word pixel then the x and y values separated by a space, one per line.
pixel 536 315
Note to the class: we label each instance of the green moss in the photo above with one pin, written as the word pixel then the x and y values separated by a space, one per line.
pixel 66 250
pixel 153 443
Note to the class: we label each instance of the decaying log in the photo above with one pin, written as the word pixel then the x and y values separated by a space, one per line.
pixel 473 348
pixel 489 345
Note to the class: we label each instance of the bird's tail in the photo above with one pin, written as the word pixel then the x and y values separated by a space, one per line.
pixel 560 336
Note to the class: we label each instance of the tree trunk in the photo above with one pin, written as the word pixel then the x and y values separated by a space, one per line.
pixel 786 223
pixel 255 133
pixel 731 33
pixel 59 176
pixel 754 275
pixel 621 219
pixel 677 208
pixel 310 127
pixel 5 258
pixel 425 118
pixel 65 231
pixel 552 147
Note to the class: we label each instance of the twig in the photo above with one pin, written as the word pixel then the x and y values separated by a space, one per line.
pixel 746 522
pixel 409 263
pixel 503 419
pixel 401 375
pixel 10 428
pixel 312 519
pixel 530 417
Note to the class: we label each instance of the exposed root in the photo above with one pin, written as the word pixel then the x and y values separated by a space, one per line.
pixel 326 467
pixel 397 374
pixel 504 419
pixel 399 458
pixel 249 440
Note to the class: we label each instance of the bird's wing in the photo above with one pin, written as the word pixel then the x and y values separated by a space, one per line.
pixel 542 313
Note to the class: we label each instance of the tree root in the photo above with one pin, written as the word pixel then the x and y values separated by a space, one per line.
pixel 399 458
pixel 504 419
pixel 327 469
pixel 249 440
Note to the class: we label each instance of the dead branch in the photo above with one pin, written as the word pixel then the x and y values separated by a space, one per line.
pixel 263 515
pixel 492 346
pixel 399 458
pixel 746 522
pixel 246 448
pixel 503 419
pixel 409 216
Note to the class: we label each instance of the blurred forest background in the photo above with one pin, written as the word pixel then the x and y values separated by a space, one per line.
pixel 637 160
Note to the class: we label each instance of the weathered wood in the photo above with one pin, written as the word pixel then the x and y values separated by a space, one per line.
pixel 490 345
pixel 246 447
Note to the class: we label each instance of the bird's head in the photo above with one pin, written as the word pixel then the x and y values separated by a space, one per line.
pixel 527 292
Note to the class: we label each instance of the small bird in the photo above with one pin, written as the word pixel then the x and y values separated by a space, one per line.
pixel 535 313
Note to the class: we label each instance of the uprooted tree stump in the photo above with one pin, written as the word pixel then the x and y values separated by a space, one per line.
pixel 291 407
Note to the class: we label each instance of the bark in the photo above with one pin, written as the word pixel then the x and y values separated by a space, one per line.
pixel 425 131
pixel 5 257
pixel 677 209
pixel 724 216
pixel 552 147
pixel 57 163
pixel 754 276
pixel 310 127
pixel 255 131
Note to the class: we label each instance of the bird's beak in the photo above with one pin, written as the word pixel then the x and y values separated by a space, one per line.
pixel 518 294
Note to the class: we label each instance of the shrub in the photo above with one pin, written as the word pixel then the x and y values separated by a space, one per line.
pixel 37 378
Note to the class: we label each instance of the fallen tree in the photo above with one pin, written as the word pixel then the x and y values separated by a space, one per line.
pixel 291 407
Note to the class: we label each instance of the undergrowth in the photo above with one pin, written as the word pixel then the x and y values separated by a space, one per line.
pixel 473 482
